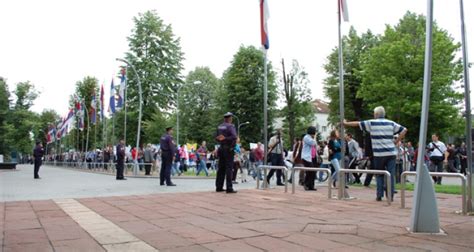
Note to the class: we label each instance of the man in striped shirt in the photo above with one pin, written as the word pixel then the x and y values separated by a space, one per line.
pixel 382 132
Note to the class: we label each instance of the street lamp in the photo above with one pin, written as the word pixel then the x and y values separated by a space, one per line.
pixel 177 110
pixel 135 169
pixel 242 124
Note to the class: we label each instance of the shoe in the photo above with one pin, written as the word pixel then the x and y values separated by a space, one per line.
pixel 121 179
pixel 280 184
pixel 162 184
pixel 378 199
pixel 37 177
pixel 346 187
pixel 220 190
pixel 334 184
pixel 231 191
pixel 171 184
pixel 395 191
pixel 310 189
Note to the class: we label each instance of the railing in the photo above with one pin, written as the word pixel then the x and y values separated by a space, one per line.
pixel 108 168
pixel 436 174
pixel 328 171
pixel 342 181
pixel 265 168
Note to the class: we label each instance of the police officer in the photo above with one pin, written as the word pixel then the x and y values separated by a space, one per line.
pixel 120 149
pixel 227 137
pixel 168 150
pixel 38 155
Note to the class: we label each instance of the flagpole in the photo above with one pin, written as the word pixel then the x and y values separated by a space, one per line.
pixel 424 214
pixel 88 128
pixel 265 109
pixel 341 96
pixel 125 108
pixel 467 104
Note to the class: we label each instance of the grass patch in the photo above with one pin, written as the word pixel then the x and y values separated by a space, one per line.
pixel 192 173
pixel 448 189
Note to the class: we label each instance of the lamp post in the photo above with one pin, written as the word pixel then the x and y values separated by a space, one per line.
pixel 240 125
pixel 135 169
pixel 177 110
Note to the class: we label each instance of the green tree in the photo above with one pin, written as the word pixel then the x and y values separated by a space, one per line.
pixel 4 114
pixel 355 52
pixel 197 106
pixel 46 119
pixel 299 111
pixel 392 76
pixel 243 82
pixel 156 54
pixel 22 119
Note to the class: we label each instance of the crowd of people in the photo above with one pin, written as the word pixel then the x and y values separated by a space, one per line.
pixel 383 148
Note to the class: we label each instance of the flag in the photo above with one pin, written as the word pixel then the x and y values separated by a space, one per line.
pixel 51 137
pixel 121 94
pixel 92 112
pixel 81 117
pixel 342 4
pixel 264 16
pixel 102 102
pixel 77 103
pixel 65 126
pixel 112 98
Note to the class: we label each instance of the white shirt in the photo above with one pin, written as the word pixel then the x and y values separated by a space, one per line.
pixel 436 152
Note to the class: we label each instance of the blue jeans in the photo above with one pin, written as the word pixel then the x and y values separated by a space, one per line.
pixel 175 168
pixel 336 166
pixel 202 167
pixel 387 164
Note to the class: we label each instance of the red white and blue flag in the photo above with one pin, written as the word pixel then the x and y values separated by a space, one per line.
pixel 112 98
pixel 264 16
pixel 102 102
pixel 92 112
pixel 121 94
pixel 342 4
pixel 51 137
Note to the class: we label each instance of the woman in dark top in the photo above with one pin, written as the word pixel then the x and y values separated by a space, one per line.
pixel 335 155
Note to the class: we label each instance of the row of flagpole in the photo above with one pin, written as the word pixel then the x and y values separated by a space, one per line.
pixel 58 130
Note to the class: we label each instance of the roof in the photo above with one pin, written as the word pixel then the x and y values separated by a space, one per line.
pixel 321 106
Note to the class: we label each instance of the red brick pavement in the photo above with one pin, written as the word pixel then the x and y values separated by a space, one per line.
pixel 252 220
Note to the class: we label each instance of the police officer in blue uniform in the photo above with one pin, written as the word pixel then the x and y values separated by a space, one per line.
pixel 226 137
pixel 168 150
pixel 38 153
pixel 120 150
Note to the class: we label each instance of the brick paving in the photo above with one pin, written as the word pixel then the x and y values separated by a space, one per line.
pixel 251 220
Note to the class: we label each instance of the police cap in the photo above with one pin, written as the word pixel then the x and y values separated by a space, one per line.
pixel 228 114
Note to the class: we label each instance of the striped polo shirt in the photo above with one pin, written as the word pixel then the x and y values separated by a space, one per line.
pixel 381 133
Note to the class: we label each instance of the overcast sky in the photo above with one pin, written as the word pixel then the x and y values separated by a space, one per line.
pixel 55 43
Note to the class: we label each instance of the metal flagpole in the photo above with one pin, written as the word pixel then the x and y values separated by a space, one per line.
pixel 424 214
pixel 125 109
pixel 88 128
pixel 265 107
pixel 467 98
pixel 341 98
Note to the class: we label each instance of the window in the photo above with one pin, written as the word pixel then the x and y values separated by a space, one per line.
pixel 324 129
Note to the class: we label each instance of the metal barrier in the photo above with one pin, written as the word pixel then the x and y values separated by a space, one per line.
pixel 108 168
pixel 328 171
pixel 342 180
pixel 436 174
pixel 265 168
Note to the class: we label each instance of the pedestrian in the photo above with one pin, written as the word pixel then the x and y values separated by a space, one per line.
pixel 168 149
pixel 369 155
pixel 120 149
pixel 309 145
pixel 258 154
pixel 276 156
pixel 296 160
pixel 382 132
pixel 452 158
pixel 226 137
pixel 201 154
pixel 335 154
pixel 149 159
pixel 38 153
pixel 462 152
pixel 353 155
pixel 438 155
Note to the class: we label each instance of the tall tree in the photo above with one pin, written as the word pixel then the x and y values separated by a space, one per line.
pixel 85 89
pixel 298 111
pixel 22 137
pixel 156 54
pixel 4 114
pixel 392 76
pixel 198 105
pixel 355 52
pixel 244 81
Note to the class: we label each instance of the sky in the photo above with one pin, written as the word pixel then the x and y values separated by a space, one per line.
pixel 55 43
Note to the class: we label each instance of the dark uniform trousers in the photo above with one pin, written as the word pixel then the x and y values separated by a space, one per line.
pixel 276 160
pixel 120 165
pixel 166 162
pixel 226 164
pixel 38 163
